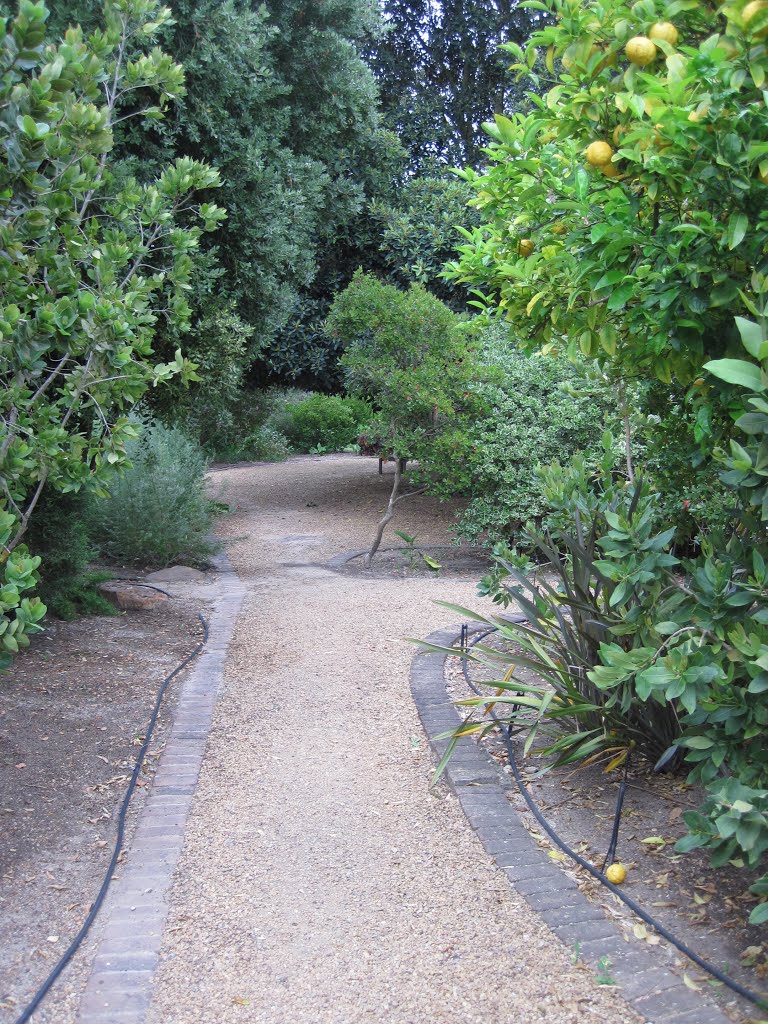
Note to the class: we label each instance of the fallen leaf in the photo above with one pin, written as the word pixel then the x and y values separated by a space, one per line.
pixel 688 980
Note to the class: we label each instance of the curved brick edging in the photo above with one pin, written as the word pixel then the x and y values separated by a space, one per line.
pixel 657 994
pixel 119 988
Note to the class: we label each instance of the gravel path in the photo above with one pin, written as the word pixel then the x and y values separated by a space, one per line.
pixel 322 880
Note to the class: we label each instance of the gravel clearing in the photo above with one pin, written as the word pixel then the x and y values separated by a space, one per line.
pixel 322 880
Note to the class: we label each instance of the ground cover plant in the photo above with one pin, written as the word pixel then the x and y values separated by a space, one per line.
pixel 624 219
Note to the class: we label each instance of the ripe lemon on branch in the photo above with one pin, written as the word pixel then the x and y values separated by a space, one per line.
pixel 664 30
pixel 599 153
pixel 641 50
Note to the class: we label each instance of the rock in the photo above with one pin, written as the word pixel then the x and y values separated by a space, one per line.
pixel 130 596
pixel 176 574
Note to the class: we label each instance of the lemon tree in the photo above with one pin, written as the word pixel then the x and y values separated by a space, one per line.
pixel 638 178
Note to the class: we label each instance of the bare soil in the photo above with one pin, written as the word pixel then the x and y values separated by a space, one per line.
pixel 72 715
pixel 446 561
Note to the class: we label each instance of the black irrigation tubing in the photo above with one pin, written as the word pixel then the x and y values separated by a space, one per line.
pixel 147 586
pixel 752 997
pixel 49 982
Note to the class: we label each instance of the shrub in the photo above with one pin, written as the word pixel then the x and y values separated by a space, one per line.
pixel 157 512
pixel 92 259
pixel 265 444
pixel 419 233
pixel 59 535
pixel 325 421
pixel 220 345
pixel 535 414
pixel 692 497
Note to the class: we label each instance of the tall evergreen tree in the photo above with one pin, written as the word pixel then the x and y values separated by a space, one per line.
pixel 441 73
pixel 281 101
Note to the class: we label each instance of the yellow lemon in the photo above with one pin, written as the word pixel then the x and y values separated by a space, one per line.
pixel 616 873
pixel 525 247
pixel 618 131
pixel 559 229
pixel 609 170
pixel 665 30
pixel 599 153
pixel 641 50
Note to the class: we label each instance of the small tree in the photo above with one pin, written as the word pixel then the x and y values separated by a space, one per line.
pixel 406 354
pixel 91 262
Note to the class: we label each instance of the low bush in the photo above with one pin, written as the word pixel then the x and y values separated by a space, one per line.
pixel 157 512
pixel 539 410
pixel 264 444
pixel 325 421
pixel 59 535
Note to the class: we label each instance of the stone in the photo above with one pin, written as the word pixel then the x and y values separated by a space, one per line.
pixel 176 574
pixel 130 596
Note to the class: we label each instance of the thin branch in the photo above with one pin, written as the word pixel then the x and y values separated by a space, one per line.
pixel 24 522
pixel 11 436
pixel 46 383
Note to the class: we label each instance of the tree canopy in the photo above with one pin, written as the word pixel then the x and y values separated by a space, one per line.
pixel 441 73
pixel 279 99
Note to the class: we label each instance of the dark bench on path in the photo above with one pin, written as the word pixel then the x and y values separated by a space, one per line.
pixel 373 446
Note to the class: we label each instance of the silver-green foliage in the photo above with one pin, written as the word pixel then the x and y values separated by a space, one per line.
pixel 157 512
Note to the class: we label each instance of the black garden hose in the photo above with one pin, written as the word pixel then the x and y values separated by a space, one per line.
pixel 49 982
pixel 505 730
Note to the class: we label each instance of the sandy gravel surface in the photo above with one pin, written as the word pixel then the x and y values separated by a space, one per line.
pixel 322 880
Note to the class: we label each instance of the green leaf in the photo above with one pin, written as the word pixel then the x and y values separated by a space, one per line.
pixel 698 742
pixel 736 371
pixel 751 335
pixel 738 224
pixel 666 628
pixel 621 296
pixel 759 914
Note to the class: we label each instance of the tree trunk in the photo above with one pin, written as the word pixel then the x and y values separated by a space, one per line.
pixel 394 498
